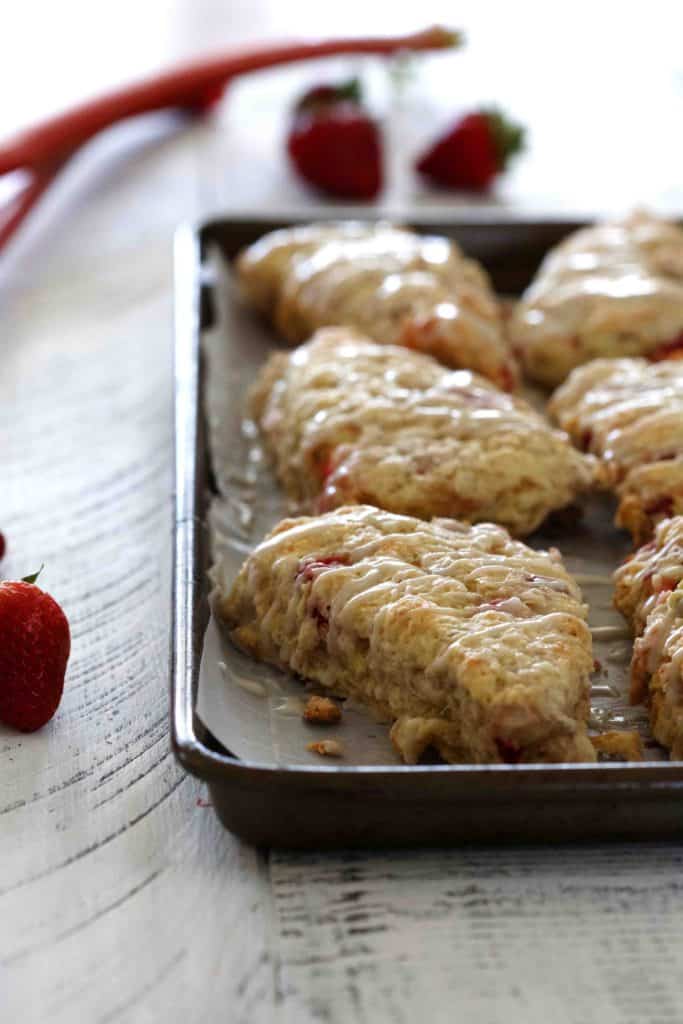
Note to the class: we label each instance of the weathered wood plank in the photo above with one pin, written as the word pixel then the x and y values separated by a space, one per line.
pixel 490 936
pixel 121 898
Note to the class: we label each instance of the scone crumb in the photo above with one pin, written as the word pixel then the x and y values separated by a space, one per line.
pixel 619 745
pixel 321 711
pixel 326 748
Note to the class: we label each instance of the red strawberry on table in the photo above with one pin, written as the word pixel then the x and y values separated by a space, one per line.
pixel 34 648
pixel 473 151
pixel 334 144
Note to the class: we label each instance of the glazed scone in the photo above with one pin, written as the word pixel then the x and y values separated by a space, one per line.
pixel 348 421
pixel 469 642
pixel 263 266
pixel 649 593
pixel 654 569
pixel 395 286
pixel 610 290
pixel 629 412
pixel 650 493
pixel 658 667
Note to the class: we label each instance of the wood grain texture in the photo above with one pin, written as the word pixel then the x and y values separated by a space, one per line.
pixel 574 936
pixel 121 898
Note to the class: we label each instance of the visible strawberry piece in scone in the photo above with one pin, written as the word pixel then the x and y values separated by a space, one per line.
pixel 310 569
pixel 668 350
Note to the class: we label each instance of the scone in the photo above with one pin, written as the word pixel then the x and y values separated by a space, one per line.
pixel 649 592
pixel 347 421
pixel 610 290
pixel 395 286
pixel 469 642
pixel 630 413
pixel 263 266
pixel 655 568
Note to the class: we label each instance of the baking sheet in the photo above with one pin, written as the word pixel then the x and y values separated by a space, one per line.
pixel 254 710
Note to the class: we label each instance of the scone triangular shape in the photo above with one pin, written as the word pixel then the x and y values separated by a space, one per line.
pixel 630 413
pixel 610 290
pixel 394 285
pixel 348 421
pixel 469 642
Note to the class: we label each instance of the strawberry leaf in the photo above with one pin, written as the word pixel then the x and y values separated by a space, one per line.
pixel 33 576
pixel 321 96
pixel 508 135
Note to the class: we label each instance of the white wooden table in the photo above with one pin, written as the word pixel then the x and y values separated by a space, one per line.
pixel 121 898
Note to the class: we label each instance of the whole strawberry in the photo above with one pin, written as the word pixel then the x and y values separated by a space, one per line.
pixel 334 144
pixel 34 648
pixel 472 152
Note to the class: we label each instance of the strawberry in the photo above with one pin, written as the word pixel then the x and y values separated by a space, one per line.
pixel 34 649
pixel 334 144
pixel 668 350
pixel 472 152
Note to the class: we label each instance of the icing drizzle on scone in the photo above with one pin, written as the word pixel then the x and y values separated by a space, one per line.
pixel 611 290
pixel 349 421
pixel 395 286
pixel 469 641
pixel 630 413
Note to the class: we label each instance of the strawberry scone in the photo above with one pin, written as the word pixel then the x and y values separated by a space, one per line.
pixel 649 593
pixel 469 642
pixel 610 290
pixel 347 421
pixel 629 412
pixel 395 286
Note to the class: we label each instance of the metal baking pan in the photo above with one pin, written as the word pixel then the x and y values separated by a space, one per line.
pixel 331 805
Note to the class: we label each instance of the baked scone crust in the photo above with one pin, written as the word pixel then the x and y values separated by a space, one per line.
pixel 655 568
pixel 349 421
pixel 649 593
pixel 263 266
pixel 469 642
pixel 629 412
pixel 611 290
pixel 619 745
pixel 658 662
pixel 395 286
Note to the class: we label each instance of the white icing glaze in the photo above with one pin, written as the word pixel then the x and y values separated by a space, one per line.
pixel 395 286
pixel 348 420
pixel 609 290
pixel 252 686
pixel 290 706
pixel 630 413
pixel 473 638
pixel 606 632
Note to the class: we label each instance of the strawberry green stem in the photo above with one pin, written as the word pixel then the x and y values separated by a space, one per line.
pixel 508 135
pixel 34 575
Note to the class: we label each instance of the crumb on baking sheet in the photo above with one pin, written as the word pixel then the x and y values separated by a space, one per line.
pixel 321 711
pixel 326 748
pixel 619 745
